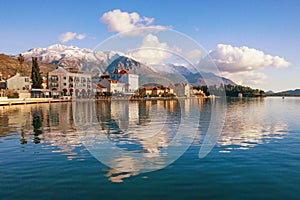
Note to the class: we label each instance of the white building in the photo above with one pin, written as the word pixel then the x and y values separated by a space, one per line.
pixel 62 82
pixel 182 89
pixel 113 86
pixel 18 82
pixel 130 80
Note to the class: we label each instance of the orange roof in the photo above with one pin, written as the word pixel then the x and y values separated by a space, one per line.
pixel 148 88
pixel 112 81
pixel 123 71
pixel 98 86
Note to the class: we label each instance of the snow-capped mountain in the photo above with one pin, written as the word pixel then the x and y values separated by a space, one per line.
pixel 103 62
pixel 70 56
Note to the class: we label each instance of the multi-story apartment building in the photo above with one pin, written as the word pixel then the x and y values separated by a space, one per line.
pixel 130 80
pixel 62 82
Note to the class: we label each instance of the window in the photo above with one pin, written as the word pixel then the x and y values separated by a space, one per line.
pixel 54 84
pixel 65 78
pixel 54 78
pixel 65 84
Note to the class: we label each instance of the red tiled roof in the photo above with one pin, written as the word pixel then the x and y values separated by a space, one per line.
pixel 100 86
pixel 123 71
pixel 148 88
pixel 112 81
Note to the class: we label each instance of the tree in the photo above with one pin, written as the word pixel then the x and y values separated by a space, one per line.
pixel 204 88
pixel 37 124
pixel 21 60
pixel 141 92
pixel 35 74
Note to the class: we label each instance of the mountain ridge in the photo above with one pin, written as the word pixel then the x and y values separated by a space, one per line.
pixel 295 92
pixel 99 62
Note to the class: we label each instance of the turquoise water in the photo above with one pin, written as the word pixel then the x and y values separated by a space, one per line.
pixel 257 156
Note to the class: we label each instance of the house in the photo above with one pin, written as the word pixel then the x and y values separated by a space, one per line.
pixel 158 90
pixel 199 93
pixel 130 80
pixel 148 90
pixel 19 83
pixel 182 89
pixel 62 82
pixel 113 86
pixel 99 90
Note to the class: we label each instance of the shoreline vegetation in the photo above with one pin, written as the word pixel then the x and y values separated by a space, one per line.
pixel 231 91
pixel 205 92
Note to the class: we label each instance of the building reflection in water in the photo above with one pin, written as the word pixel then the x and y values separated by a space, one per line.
pixel 51 125
pixel 144 127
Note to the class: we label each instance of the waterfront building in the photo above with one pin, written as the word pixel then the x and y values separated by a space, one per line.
pixel 62 82
pixel 19 83
pixel 130 80
pixel 113 86
pixel 182 89
pixel 148 90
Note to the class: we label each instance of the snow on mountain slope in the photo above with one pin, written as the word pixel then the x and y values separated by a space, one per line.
pixel 71 56
pixel 99 62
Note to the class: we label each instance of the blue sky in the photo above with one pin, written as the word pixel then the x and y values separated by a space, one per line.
pixel 270 26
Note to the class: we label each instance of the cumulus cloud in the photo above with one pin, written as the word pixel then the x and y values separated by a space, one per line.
pixel 243 65
pixel 193 54
pixel 152 51
pixel 242 59
pixel 119 21
pixel 68 36
pixel 246 78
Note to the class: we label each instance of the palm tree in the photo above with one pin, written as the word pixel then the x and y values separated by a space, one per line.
pixel 21 60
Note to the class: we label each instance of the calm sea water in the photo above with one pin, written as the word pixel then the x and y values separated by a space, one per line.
pixel 257 156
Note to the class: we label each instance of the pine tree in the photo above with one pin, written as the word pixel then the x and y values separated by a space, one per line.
pixel 35 74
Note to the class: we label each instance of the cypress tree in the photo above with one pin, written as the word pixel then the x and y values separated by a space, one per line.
pixel 35 74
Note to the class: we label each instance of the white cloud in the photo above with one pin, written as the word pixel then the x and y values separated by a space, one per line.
pixel 80 36
pixel 65 37
pixel 120 21
pixel 193 54
pixel 241 59
pixel 152 51
pixel 68 36
pixel 243 65
pixel 246 78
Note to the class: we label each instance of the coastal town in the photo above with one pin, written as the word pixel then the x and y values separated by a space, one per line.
pixel 66 83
